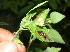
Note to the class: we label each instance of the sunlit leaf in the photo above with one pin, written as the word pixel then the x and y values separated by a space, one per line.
pixel 52 49
pixel 40 19
pixel 26 20
pixel 56 17
pixel 17 40
pixel 40 33
pixel 56 36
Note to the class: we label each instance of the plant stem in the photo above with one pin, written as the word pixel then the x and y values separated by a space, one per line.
pixel 50 26
pixel 30 41
pixel 17 34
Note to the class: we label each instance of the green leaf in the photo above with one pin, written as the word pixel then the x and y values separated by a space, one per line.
pixel 56 36
pixel 43 30
pixel 56 17
pixel 37 6
pixel 32 28
pixel 35 32
pixel 3 23
pixel 26 20
pixel 17 40
pixel 52 49
pixel 51 35
pixel 40 19
pixel 38 50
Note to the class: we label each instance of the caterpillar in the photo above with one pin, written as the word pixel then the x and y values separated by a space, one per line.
pixel 41 33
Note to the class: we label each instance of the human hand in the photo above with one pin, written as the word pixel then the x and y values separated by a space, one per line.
pixel 7 44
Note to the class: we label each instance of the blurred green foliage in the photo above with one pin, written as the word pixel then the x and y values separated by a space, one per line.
pixel 23 6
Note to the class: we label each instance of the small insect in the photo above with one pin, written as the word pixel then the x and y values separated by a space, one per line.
pixel 41 33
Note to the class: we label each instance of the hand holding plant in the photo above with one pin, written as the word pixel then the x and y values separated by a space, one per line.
pixel 7 44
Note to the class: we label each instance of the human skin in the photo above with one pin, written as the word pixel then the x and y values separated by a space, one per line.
pixel 9 45
pixel 5 35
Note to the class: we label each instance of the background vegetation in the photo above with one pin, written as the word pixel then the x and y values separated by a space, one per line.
pixel 12 11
